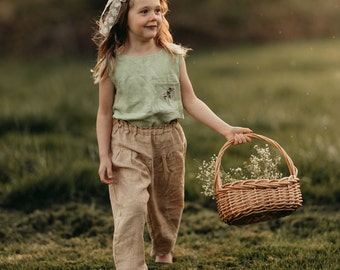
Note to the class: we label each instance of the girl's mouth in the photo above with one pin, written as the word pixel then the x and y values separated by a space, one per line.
pixel 151 26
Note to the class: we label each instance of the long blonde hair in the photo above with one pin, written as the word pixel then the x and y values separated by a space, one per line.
pixel 107 46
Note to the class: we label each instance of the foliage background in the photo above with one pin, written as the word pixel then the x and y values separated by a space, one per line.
pixel 61 27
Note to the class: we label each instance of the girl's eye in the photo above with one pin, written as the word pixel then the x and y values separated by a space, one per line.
pixel 157 11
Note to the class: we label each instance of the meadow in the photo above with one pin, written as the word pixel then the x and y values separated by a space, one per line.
pixel 55 213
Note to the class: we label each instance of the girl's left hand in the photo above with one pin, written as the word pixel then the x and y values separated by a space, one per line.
pixel 239 135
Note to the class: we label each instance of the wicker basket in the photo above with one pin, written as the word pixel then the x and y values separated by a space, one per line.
pixel 250 201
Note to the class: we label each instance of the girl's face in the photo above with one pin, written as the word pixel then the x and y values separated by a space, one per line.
pixel 144 19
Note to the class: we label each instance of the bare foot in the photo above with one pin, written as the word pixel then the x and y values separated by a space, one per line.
pixel 164 259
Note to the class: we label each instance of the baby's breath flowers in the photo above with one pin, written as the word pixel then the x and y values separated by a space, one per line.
pixel 262 165
pixel 206 174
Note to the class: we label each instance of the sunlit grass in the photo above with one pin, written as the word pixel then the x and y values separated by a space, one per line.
pixel 51 240
pixel 55 212
pixel 288 92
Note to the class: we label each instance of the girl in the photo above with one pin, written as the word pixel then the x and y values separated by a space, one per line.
pixel 143 88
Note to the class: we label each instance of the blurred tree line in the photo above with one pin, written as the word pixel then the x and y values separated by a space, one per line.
pixel 64 27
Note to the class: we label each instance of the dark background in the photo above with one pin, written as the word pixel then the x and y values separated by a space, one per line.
pixel 56 28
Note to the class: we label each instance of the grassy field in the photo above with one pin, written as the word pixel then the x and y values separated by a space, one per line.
pixel 55 213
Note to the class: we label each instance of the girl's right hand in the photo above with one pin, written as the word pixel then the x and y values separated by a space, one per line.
pixel 105 172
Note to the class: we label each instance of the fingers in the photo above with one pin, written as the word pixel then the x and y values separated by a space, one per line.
pixel 109 173
pixel 241 137
pixel 243 130
pixel 108 181
pixel 106 175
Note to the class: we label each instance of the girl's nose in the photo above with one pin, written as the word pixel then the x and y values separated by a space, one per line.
pixel 153 16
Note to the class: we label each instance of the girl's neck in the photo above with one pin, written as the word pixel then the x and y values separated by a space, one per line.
pixel 140 48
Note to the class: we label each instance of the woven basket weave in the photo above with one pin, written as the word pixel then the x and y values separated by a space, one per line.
pixel 250 201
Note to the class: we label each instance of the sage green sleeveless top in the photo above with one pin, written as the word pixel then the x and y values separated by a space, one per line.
pixel 147 89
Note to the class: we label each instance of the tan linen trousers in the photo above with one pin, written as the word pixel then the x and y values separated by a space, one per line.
pixel 148 164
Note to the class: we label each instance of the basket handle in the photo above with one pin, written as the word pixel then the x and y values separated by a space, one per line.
pixel 218 182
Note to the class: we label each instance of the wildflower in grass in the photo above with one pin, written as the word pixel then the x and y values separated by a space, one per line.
pixel 262 165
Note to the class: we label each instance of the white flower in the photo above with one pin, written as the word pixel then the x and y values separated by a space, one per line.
pixel 260 166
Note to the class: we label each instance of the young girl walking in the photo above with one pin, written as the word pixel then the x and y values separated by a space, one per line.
pixel 143 88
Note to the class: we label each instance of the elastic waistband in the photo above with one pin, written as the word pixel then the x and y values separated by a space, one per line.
pixel 145 130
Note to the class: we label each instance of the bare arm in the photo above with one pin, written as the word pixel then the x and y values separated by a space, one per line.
pixel 104 128
pixel 201 112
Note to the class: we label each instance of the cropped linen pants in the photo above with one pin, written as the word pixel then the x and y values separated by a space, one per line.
pixel 148 165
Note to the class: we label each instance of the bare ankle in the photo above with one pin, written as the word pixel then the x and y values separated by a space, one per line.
pixel 164 258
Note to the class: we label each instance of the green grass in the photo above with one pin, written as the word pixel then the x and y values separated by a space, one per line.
pixel 288 92
pixel 59 239
pixel 55 213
